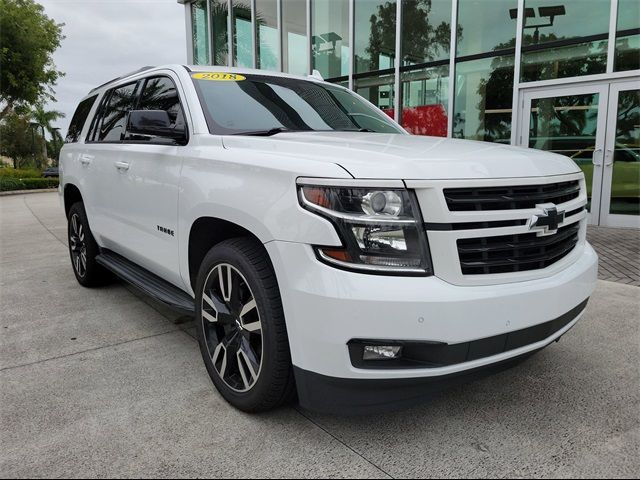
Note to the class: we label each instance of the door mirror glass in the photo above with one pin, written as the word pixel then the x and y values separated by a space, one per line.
pixel 155 123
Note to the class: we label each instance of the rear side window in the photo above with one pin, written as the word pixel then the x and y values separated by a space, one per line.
pixel 114 116
pixel 160 94
pixel 79 118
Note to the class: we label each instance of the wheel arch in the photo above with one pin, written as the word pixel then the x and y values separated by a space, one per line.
pixel 207 232
pixel 71 195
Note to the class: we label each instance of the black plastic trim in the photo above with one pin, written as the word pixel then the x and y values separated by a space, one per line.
pixel 441 227
pixel 416 354
pixel 345 396
pixel 146 281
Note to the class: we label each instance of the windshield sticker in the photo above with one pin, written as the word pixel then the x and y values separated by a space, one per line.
pixel 219 76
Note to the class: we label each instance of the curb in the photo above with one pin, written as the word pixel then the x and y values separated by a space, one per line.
pixel 23 192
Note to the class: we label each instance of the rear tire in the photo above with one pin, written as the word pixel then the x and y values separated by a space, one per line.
pixel 83 250
pixel 241 326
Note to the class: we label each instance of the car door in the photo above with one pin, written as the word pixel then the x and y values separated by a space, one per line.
pixel 146 190
pixel 103 149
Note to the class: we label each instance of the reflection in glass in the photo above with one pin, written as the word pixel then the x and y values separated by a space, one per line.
pixel 627 56
pixel 242 51
pixel 567 126
pixel 482 106
pixel 379 90
pixel 267 56
pixel 567 61
pixel 200 33
pixel 426 30
pixel 564 19
pixel 485 25
pixel 294 36
pixel 330 37
pixel 549 21
pixel 625 184
pixel 375 34
pixel 425 101
pixel 627 53
pixel 220 39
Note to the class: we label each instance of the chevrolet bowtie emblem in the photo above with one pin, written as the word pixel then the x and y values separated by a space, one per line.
pixel 546 223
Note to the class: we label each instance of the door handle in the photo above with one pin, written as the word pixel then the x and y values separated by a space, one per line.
pixel 122 166
pixel 594 157
pixel 86 159
pixel 608 158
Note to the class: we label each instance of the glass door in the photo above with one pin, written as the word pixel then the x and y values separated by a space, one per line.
pixel 570 121
pixel 621 172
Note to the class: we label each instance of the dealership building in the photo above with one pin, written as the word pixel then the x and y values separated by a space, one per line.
pixel 557 75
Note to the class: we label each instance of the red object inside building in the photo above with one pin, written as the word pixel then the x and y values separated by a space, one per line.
pixel 423 120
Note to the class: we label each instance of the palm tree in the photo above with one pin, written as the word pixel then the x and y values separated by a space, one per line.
pixel 45 119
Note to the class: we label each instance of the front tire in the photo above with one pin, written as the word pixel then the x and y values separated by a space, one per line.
pixel 83 249
pixel 241 326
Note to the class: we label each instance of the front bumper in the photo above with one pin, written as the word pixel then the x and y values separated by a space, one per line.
pixel 326 308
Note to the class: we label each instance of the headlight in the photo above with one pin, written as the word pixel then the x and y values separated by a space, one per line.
pixel 380 228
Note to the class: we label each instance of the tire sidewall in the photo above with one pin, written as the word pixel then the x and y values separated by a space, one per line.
pixel 226 254
pixel 92 274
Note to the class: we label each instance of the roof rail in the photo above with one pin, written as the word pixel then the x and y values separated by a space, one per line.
pixel 140 70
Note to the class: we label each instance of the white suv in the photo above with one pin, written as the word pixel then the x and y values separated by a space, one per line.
pixel 321 248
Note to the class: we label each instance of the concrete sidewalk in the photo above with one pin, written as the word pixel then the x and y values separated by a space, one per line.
pixel 104 382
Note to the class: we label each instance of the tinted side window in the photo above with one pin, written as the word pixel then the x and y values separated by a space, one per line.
pixel 160 94
pixel 79 118
pixel 114 117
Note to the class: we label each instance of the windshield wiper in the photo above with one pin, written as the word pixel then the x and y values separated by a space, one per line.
pixel 356 130
pixel 266 133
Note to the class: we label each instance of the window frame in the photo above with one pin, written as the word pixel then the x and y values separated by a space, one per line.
pixel 78 136
pixel 140 89
pixel 140 83
pixel 99 116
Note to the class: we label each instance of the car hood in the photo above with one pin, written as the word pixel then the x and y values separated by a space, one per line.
pixel 408 157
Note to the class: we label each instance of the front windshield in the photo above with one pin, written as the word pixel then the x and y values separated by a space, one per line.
pixel 263 104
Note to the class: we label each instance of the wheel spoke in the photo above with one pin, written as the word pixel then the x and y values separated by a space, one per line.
pixel 74 224
pixel 220 350
pixel 248 374
pixel 224 275
pixel 80 233
pixel 210 317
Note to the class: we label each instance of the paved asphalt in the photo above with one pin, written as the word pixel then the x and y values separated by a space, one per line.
pixel 106 383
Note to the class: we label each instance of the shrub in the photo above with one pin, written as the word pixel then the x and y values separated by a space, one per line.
pixel 20 173
pixel 8 184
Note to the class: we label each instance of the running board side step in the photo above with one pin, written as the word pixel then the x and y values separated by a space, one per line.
pixel 146 281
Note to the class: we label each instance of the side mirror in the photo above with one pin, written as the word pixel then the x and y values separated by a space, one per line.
pixel 156 123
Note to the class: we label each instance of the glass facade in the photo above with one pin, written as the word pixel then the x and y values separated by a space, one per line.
pixel 200 32
pixel 268 41
pixel 355 43
pixel 375 35
pixel 563 82
pixel 330 38
pixel 242 49
pixel 566 39
pixel 627 50
pixel 294 37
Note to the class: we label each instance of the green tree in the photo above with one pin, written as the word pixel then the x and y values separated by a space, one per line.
pixel 28 39
pixel 45 119
pixel 20 141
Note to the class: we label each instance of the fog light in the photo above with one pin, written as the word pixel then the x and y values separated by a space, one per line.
pixel 381 352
